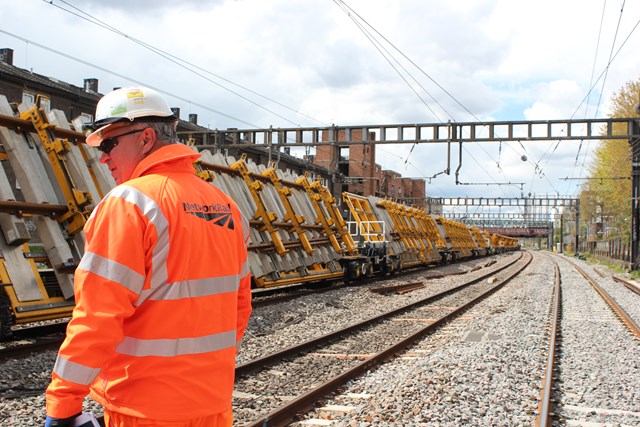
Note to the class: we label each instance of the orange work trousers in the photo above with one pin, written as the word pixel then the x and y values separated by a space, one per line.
pixel 115 419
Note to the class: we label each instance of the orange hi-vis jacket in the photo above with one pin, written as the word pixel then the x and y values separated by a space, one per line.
pixel 162 298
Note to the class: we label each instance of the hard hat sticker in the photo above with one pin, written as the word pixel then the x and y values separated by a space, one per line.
pixel 118 110
pixel 137 93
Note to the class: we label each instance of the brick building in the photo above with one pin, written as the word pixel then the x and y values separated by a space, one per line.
pixel 358 172
pixel 352 169
pixel 19 85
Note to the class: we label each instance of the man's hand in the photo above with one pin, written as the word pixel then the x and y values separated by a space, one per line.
pixel 60 422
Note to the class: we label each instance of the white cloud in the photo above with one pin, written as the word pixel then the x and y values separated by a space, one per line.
pixel 496 60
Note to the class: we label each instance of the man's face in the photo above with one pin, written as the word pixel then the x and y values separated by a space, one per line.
pixel 123 158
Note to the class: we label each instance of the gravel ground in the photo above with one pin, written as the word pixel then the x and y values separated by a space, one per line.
pixel 279 326
pixel 599 366
pixel 482 369
pixel 271 328
pixel 259 393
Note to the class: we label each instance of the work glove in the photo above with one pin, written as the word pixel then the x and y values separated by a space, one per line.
pixel 60 422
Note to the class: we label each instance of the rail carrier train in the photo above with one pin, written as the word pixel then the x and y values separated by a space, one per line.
pixel 299 234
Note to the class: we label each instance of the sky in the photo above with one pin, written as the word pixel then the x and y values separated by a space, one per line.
pixel 313 63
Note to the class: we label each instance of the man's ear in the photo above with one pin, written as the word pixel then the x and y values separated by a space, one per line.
pixel 149 138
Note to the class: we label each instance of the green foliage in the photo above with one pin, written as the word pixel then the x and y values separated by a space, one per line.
pixel 607 201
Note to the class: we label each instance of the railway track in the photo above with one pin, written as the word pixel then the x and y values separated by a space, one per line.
pixel 348 358
pixel 483 367
pixel 47 336
pixel 568 395
pixel 482 375
pixel 33 339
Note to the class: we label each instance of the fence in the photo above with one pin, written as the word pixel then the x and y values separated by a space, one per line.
pixel 613 250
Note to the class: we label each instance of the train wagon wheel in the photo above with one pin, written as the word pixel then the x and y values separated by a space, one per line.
pixel 6 319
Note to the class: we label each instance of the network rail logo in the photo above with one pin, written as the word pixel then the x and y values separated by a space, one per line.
pixel 219 214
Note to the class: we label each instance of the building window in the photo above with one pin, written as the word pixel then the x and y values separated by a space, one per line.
pixel 28 98
pixel 45 103
pixel 86 118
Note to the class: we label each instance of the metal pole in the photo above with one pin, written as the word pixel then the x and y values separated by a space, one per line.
pixel 561 232
pixel 635 192
pixel 576 250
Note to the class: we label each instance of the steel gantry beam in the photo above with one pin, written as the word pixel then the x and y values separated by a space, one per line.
pixel 529 202
pixel 488 216
pixel 344 136
pixel 493 219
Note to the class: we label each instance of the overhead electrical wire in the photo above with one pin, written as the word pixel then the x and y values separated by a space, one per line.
pixel 593 71
pixel 378 47
pixel 350 10
pixel 122 76
pixel 612 58
pixel 351 13
pixel 182 63
pixel 615 37
pixel 613 43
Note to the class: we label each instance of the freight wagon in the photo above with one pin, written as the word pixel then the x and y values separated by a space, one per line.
pixel 299 232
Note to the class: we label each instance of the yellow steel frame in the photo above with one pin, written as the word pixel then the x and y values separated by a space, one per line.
pixel 94 178
pixel 57 149
pixel 363 214
pixel 420 222
pixel 331 207
pixel 406 232
pixel 290 215
pixel 432 231
pixel 255 188
pixel 480 237
pixel 48 310
pixel 327 216
pixel 459 235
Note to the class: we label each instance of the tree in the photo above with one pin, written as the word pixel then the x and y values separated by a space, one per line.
pixel 605 199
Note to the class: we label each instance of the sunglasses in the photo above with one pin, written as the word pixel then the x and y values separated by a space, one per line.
pixel 109 144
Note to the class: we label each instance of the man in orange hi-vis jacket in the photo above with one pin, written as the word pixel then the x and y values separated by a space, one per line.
pixel 163 289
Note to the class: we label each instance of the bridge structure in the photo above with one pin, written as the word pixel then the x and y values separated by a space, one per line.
pixel 423 133
pixel 275 139
pixel 535 218
pixel 509 224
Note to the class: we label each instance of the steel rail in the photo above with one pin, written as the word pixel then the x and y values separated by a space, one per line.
pixel 286 413
pixel 259 363
pixel 270 291
pixel 21 125
pixel 25 349
pixel 35 332
pixel 545 407
pixel 628 284
pixel 619 311
pixel 405 287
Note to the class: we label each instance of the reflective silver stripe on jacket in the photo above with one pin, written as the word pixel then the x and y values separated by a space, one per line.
pixel 74 372
pixel 245 269
pixel 192 288
pixel 112 270
pixel 246 228
pixel 154 214
pixel 178 346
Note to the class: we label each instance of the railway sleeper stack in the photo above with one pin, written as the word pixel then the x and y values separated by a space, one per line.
pixel 49 185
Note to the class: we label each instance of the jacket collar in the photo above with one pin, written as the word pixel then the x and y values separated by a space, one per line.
pixel 174 157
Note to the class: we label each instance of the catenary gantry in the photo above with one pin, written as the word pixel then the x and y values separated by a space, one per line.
pixel 536 130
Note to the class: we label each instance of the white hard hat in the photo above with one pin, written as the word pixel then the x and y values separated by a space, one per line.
pixel 126 105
